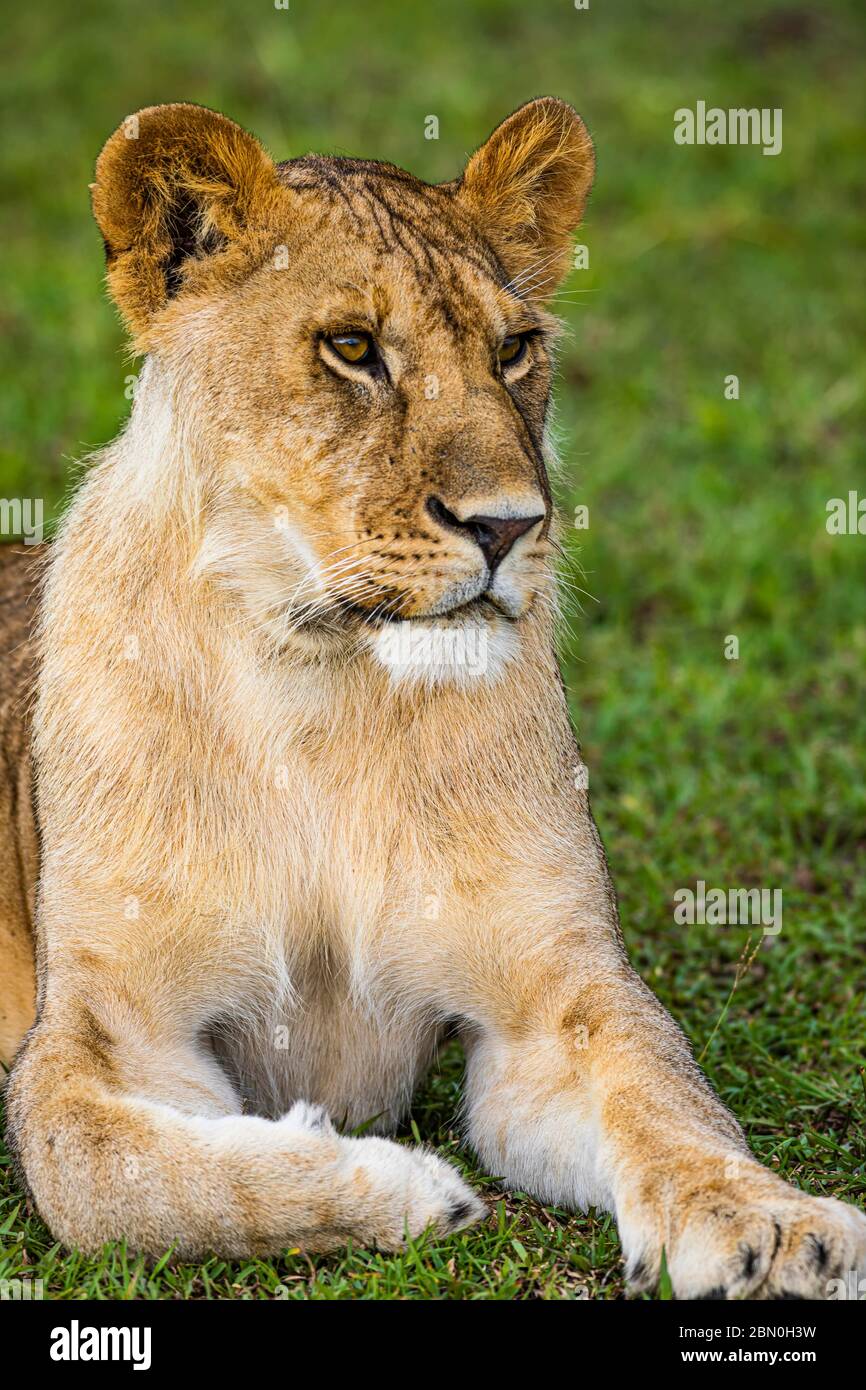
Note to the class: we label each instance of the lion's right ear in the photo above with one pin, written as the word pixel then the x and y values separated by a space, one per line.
pixel 176 186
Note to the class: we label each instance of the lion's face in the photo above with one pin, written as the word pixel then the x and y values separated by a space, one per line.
pixel 367 418
pixel 369 364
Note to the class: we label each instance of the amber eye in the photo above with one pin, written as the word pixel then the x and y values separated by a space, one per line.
pixel 512 349
pixel 357 348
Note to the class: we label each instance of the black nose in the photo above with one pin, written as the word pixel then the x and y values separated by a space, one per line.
pixel 495 535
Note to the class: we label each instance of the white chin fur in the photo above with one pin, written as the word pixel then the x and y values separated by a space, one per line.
pixel 455 652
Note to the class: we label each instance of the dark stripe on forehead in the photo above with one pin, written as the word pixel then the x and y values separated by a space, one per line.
pixel 424 214
pixel 434 253
pixel 436 234
pixel 409 237
pixel 387 240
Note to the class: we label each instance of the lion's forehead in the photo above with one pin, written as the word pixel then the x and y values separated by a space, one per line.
pixel 389 215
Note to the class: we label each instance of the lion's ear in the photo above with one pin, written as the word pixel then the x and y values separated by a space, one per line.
pixel 175 185
pixel 527 187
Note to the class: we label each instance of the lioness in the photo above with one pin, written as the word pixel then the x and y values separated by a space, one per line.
pixel 304 777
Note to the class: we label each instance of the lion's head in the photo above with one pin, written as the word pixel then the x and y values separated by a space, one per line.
pixel 357 366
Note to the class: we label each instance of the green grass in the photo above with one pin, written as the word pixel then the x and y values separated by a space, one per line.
pixel 706 515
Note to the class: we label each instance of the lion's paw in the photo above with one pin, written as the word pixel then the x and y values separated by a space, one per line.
pixel 416 1191
pixel 752 1237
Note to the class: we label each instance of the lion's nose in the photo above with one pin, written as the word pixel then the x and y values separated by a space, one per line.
pixel 494 535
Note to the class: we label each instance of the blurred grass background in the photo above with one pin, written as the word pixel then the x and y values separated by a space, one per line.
pixel 707 516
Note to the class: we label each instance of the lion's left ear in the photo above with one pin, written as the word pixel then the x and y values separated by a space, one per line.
pixel 527 187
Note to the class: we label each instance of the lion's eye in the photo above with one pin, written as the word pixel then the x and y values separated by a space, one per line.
pixel 357 348
pixel 512 349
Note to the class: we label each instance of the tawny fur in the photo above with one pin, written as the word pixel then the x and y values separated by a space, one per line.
pixel 276 863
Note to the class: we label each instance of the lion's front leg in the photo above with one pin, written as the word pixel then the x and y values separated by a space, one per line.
pixel 587 1093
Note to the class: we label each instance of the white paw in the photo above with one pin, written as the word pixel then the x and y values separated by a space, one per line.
pixel 414 1191
pixel 312 1119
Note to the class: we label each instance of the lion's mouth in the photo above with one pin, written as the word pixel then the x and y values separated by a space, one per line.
pixel 482 609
